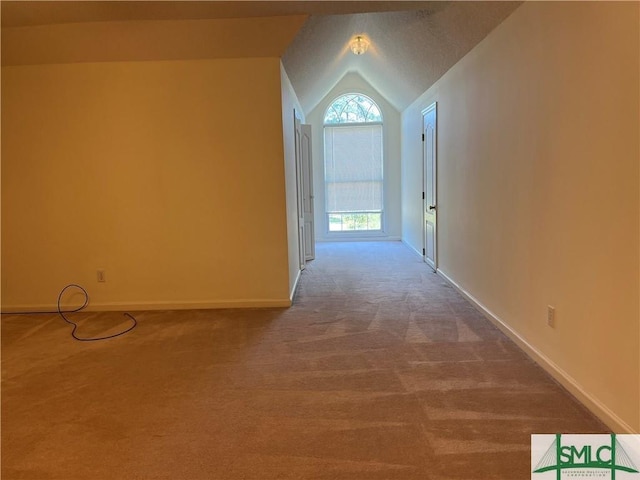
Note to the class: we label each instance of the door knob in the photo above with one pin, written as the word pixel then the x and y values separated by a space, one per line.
pixel 432 207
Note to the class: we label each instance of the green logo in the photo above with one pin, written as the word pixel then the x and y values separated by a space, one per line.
pixel 609 456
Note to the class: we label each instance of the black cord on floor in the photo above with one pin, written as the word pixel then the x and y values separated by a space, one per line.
pixel 62 312
pixel 75 325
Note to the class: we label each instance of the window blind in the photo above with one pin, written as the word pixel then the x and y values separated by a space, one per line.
pixel 353 168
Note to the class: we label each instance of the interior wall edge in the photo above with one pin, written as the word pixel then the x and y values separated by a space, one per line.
pixel 290 106
pixel 296 282
pixel 589 401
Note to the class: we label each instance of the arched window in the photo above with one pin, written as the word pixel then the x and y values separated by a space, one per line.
pixel 353 166
pixel 352 108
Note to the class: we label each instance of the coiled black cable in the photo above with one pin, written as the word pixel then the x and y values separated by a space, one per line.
pixel 86 302
pixel 62 312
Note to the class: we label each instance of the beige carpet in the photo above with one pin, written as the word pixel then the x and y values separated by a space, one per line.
pixel 379 371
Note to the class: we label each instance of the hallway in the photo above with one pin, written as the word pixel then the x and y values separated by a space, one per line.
pixel 379 370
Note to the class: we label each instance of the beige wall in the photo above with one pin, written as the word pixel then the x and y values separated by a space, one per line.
pixel 148 40
pixel 169 175
pixel 538 190
pixel 289 104
pixel 354 83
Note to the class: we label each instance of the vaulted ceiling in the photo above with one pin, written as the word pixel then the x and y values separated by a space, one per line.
pixel 412 43
pixel 409 50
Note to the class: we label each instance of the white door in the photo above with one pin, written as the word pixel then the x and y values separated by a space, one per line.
pixel 429 139
pixel 300 190
pixel 307 194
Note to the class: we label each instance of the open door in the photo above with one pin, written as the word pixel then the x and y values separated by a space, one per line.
pixel 307 194
pixel 300 190
pixel 429 139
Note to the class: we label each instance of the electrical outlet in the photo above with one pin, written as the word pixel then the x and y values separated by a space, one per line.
pixel 101 277
pixel 551 316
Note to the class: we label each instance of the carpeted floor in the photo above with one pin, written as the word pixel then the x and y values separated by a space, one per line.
pixel 379 371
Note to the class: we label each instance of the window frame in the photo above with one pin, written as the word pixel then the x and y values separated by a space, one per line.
pixel 339 124
pixel 352 94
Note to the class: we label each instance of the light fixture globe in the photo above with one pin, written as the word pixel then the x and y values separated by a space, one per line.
pixel 359 45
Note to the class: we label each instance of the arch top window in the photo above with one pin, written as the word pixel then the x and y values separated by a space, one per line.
pixel 353 165
pixel 353 108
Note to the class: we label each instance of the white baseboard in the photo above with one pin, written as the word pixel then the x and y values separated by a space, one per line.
pixel 142 306
pixel 411 247
pixel 598 408
pixel 347 237
pixel 295 287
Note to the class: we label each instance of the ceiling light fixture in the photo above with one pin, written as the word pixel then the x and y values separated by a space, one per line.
pixel 359 45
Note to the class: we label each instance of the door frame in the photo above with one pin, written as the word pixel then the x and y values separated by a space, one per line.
pixel 430 204
pixel 297 126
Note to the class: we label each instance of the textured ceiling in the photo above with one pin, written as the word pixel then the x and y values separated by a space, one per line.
pixel 409 50
pixel 412 43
